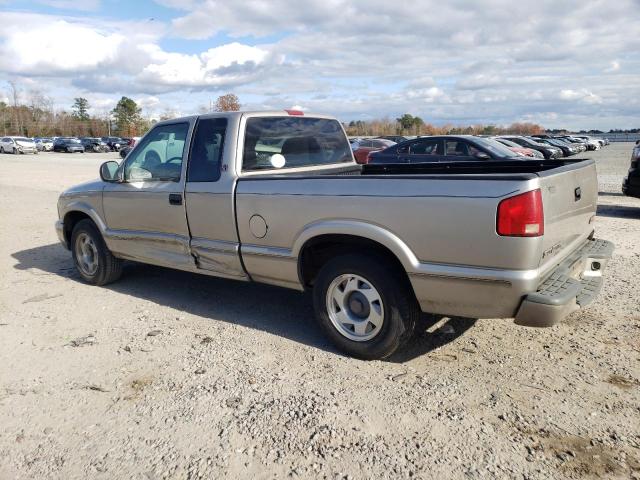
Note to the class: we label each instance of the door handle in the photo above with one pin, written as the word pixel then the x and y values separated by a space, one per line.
pixel 175 199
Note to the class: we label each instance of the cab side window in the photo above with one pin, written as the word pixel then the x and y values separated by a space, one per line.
pixel 159 155
pixel 206 150
pixel 425 147
pixel 457 148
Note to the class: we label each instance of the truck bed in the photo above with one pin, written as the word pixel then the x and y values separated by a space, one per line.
pixel 438 219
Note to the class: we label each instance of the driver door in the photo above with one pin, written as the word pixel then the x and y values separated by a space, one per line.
pixel 145 213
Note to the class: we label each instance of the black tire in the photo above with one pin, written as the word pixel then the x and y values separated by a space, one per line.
pixel 109 267
pixel 1 149
pixel 15 151
pixel 401 310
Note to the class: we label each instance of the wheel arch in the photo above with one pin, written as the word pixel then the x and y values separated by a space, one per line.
pixel 75 212
pixel 321 242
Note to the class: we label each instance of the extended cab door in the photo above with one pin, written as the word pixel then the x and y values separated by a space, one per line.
pixel 209 197
pixel 145 213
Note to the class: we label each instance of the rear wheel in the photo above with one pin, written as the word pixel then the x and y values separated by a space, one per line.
pixel 365 307
pixel 93 260
pixel 15 151
pixel 1 149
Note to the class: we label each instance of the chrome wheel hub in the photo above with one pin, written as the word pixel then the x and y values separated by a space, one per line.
pixel 355 307
pixel 86 254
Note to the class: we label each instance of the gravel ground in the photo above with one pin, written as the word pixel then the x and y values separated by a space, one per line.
pixel 172 375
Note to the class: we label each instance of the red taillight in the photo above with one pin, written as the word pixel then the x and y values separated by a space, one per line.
pixel 295 112
pixel 521 216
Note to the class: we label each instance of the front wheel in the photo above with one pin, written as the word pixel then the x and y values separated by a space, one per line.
pixel 365 307
pixel 93 260
pixel 15 151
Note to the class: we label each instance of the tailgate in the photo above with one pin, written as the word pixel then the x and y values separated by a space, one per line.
pixel 569 196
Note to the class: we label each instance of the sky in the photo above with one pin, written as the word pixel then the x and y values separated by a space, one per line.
pixel 562 64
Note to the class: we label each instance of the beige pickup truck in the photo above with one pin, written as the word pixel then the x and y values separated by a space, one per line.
pixel 276 197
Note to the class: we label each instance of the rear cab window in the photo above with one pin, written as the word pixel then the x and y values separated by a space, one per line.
pixel 278 143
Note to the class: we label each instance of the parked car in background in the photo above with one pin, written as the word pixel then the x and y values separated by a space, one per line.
pixel 17 145
pixel 578 142
pixel 592 143
pixel 550 152
pixel 68 145
pixel 94 144
pixel 44 144
pixel 567 150
pixel 631 183
pixel 519 149
pixel 368 145
pixel 444 148
pixel 114 143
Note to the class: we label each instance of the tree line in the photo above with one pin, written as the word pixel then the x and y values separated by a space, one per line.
pixel 408 124
pixel 32 114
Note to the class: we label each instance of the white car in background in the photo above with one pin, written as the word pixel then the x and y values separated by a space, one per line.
pixel 17 145
pixel 44 144
pixel 593 143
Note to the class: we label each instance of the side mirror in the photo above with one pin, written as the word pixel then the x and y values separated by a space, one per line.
pixel 109 171
pixel 637 142
pixel 482 156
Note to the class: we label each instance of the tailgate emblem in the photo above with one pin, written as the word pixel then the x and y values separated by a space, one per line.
pixel 577 193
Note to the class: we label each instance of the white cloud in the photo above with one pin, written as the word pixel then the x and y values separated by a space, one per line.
pixel 614 66
pixel 582 95
pixel 232 63
pixel 57 46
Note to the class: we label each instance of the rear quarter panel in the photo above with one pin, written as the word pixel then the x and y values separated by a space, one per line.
pixel 438 220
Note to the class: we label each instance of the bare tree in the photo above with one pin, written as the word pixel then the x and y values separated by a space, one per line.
pixel 15 99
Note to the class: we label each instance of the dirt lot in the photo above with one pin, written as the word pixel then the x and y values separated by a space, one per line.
pixel 171 375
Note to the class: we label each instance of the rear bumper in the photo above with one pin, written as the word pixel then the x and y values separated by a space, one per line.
pixel 572 285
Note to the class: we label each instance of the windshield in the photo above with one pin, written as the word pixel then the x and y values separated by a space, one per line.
pixel 71 140
pixel 290 142
pixel 494 147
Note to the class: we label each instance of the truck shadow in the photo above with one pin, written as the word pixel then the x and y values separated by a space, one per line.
pixel 278 311
pixel 618 211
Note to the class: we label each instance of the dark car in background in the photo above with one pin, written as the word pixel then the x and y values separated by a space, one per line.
pixel 68 144
pixel 114 143
pixel 550 152
pixel 444 148
pixel 631 183
pixel 567 149
pixel 366 146
pixel 94 144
